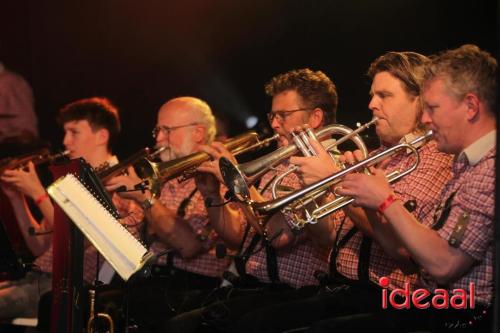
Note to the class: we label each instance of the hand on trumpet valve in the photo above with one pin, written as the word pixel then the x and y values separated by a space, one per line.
pixel 24 180
pixel 314 168
pixel 216 150
pixel 368 191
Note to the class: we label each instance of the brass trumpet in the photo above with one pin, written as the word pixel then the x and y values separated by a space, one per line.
pixel 38 157
pixel 105 173
pixel 239 177
pixel 156 173
pixel 290 202
pixel 93 315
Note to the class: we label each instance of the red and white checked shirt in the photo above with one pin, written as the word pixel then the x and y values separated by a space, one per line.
pixel 205 263
pixel 297 263
pixel 423 185
pixel 474 184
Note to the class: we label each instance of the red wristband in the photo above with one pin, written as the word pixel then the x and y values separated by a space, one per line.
pixel 42 198
pixel 387 202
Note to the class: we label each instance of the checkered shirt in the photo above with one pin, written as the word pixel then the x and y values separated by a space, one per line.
pixel 423 185
pixel 297 263
pixel 205 263
pixel 474 186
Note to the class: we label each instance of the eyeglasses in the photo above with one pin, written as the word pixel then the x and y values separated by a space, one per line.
pixel 167 130
pixel 280 116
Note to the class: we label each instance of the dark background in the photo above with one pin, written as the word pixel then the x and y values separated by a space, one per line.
pixel 142 53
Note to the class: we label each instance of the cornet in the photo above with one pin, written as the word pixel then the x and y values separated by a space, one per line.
pixel 38 157
pixel 297 198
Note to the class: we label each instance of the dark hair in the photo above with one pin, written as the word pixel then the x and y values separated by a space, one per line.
pixel 464 70
pixel 314 87
pixel 408 67
pixel 98 111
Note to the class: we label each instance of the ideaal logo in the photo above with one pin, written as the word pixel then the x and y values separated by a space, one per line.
pixel 419 298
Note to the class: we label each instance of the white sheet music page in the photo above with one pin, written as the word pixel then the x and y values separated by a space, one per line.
pixel 120 248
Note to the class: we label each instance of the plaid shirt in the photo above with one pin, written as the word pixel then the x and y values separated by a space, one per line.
pixel 133 216
pixel 474 186
pixel 423 185
pixel 206 263
pixel 297 263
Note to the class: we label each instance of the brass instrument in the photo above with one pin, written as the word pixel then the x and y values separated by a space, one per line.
pixel 290 202
pixel 238 177
pixel 93 315
pixel 38 157
pixel 156 173
pixel 105 173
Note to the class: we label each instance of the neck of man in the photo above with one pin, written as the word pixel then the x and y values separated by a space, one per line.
pixel 98 157
pixel 478 130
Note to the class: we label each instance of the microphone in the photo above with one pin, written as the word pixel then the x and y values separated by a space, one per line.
pixel 231 278
pixel 220 251
pixel 322 277
pixel 142 186
pixel 32 232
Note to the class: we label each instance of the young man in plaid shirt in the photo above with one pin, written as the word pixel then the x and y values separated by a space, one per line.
pixel 91 127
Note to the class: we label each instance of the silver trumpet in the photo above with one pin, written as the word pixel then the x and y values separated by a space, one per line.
pixel 301 197
pixel 239 177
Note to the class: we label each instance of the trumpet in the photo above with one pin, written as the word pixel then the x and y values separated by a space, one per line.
pixel 38 157
pixel 239 177
pixel 93 315
pixel 291 201
pixel 105 172
pixel 156 173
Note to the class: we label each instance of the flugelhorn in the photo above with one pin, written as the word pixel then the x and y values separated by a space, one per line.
pixel 105 173
pixel 239 177
pixel 156 173
pixel 38 157
pixel 290 201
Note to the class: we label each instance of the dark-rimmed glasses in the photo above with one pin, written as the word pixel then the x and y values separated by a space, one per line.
pixel 280 116
pixel 167 130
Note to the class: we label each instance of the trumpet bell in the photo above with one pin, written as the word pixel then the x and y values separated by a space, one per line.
pixel 234 180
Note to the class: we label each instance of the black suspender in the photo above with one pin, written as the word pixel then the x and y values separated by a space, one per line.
pixel 181 212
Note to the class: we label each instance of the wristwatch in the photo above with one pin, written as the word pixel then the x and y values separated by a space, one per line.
pixel 148 203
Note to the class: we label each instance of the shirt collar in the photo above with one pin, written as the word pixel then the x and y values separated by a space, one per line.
pixel 113 160
pixel 474 152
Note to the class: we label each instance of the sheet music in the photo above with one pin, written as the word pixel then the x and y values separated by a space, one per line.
pixel 120 248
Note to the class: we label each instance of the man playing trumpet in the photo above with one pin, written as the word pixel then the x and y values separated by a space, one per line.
pixel 362 248
pixel 177 220
pixel 454 250
pixel 272 259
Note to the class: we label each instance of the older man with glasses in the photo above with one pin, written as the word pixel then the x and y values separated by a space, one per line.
pixel 272 259
pixel 177 221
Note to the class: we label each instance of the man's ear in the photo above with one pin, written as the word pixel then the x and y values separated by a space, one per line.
pixel 316 118
pixel 472 106
pixel 103 136
pixel 200 134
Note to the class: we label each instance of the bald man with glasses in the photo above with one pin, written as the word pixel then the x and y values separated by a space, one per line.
pixel 177 220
